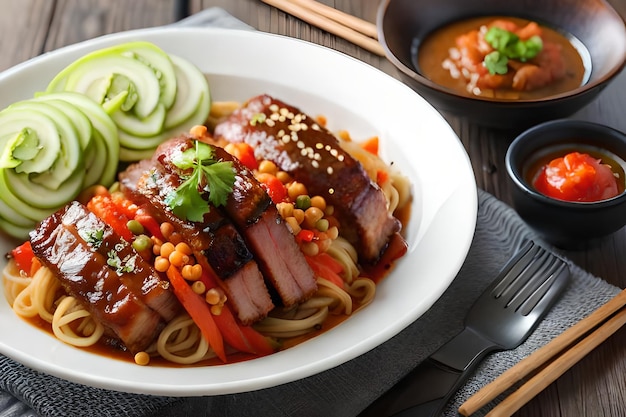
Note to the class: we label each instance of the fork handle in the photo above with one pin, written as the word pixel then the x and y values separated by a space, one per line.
pixel 426 389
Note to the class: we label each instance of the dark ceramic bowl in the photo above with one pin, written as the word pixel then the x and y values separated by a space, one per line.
pixel 566 224
pixel 403 25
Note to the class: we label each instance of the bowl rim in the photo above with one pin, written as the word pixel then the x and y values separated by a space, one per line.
pixel 588 87
pixel 515 175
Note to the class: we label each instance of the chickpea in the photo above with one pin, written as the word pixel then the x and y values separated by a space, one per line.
pixel 295 189
pixel 166 229
pixel 268 167
pixel 192 272
pixel 161 264
pixel 299 215
pixel 310 248
pixel 311 216
pixel 319 202
pixel 283 177
pixel 178 259
pixel 166 249
pixel 183 248
pixel 142 358
pixel 285 209
pixel 198 287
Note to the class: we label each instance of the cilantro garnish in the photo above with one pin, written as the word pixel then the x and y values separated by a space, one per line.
pixel 92 236
pixel 507 46
pixel 208 176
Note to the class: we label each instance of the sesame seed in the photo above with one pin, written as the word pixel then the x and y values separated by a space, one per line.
pixel 315 126
pixel 331 191
pixel 274 107
pixel 319 145
pixel 281 133
pixel 303 152
pixel 283 111
pixel 317 156
pixel 304 126
pixel 281 118
pixel 274 116
pixel 286 138
pixel 340 158
pixel 270 122
pixel 329 170
pixel 334 152
pixel 328 148
pixel 315 164
pixel 300 145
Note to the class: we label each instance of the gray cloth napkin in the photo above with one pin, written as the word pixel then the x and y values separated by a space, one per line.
pixel 347 389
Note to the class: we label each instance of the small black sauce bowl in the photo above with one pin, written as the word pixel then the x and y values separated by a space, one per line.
pixel 562 223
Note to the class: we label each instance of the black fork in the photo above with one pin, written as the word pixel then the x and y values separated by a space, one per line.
pixel 501 318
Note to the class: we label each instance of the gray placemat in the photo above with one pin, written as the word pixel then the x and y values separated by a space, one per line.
pixel 347 389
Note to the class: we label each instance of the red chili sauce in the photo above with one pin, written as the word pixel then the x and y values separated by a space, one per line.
pixel 579 177
pixel 464 57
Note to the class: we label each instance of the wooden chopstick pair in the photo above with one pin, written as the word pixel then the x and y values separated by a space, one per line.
pixel 551 361
pixel 346 26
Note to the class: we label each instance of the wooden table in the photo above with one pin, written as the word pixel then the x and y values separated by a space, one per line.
pixel 594 387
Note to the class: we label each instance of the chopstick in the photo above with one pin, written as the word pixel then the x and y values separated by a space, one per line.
pixel 346 26
pixel 577 341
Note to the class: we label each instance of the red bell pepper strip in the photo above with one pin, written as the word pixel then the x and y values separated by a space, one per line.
pixel 325 266
pixel 105 208
pixel 199 311
pixel 23 257
pixel 243 338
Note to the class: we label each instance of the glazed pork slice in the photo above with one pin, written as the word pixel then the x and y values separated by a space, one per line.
pixel 227 254
pixel 313 156
pixel 275 248
pixel 143 281
pixel 85 274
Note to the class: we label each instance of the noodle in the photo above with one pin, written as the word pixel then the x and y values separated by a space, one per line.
pixel 181 342
pixel 68 311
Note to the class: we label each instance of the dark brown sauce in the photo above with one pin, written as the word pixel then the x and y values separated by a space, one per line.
pixel 542 158
pixel 432 52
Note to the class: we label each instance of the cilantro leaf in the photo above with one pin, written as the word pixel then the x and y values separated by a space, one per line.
pixel 496 63
pixel 507 46
pixel 212 177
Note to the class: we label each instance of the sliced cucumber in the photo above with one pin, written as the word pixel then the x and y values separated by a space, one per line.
pixel 193 94
pixel 135 126
pixel 69 158
pixel 14 202
pixel 16 231
pixel 13 216
pixel 96 68
pixel 40 196
pixel 104 130
pixel 131 155
pixel 161 64
pixel 41 127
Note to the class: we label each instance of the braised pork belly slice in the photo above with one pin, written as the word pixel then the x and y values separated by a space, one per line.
pixel 216 238
pixel 85 273
pixel 279 256
pixel 313 156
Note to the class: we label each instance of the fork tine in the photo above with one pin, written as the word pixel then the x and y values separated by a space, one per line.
pixel 517 265
pixel 529 279
pixel 536 297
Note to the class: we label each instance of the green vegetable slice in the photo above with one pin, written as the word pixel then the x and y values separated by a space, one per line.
pixel 93 74
pixel 193 101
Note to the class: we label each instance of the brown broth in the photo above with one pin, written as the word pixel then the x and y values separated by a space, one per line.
pixel 434 50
